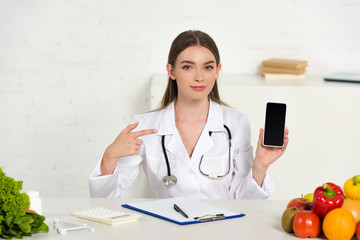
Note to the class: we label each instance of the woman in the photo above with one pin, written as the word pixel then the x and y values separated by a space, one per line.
pixel 189 137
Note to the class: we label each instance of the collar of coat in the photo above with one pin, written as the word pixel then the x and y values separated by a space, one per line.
pixel 215 123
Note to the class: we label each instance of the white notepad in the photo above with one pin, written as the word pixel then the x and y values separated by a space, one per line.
pixel 106 216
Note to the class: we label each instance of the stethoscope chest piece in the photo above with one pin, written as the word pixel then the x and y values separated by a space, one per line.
pixel 169 180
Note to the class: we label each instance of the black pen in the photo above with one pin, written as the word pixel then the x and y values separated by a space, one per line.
pixel 178 209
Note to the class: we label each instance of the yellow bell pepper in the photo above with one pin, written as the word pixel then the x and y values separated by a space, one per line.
pixel 352 187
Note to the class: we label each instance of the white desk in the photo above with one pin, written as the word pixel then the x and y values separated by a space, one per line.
pixel 262 221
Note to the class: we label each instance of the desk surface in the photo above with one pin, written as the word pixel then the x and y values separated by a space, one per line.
pixel 262 221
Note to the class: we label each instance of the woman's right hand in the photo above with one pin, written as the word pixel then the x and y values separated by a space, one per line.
pixel 126 144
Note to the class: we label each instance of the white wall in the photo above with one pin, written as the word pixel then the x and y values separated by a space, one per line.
pixel 73 73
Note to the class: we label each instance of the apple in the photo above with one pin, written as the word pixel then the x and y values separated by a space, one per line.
pixel 309 196
pixel 300 203
pixel 287 219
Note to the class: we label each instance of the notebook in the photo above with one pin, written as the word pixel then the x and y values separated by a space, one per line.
pixel 197 211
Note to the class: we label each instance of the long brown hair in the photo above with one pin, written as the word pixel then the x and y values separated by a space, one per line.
pixel 181 42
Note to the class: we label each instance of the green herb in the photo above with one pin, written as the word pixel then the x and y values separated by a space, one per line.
pixel 14 220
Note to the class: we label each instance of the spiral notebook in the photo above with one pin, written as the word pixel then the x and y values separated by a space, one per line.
pixel 197 211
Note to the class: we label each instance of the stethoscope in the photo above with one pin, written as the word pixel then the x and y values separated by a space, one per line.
pixel 171 180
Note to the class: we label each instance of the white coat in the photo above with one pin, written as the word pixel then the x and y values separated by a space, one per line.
pixel 239 183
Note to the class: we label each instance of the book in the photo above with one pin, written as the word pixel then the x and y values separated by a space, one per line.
pixel 281 76
pixel 284 63
pixel 282 70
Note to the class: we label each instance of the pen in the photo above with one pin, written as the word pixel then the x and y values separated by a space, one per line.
pixel 178 209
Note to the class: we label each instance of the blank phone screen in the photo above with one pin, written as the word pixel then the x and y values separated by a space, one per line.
pixel 274 124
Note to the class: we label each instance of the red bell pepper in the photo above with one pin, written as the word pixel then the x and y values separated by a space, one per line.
pixel 326 198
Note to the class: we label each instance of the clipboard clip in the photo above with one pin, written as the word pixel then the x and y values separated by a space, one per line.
pixel 210 217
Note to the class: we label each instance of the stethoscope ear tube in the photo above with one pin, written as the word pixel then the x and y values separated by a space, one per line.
pixel 228 131
pixel 229 159
pixel 168 180
pixel 166 157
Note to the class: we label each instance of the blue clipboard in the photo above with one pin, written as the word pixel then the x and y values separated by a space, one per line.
pixel 198 212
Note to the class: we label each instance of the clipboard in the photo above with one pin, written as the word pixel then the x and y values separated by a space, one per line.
pixel 197 212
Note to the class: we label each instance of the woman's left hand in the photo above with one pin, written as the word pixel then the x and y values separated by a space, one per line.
pixel 265 156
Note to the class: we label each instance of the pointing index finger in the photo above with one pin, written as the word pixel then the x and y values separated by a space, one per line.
pixel 130 127
pixel 144 132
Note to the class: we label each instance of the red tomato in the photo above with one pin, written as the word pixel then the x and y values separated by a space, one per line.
pixel 306 224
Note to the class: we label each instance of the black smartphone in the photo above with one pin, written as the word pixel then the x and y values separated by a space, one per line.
pixel 274 124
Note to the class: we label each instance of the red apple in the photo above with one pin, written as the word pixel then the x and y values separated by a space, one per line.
pixel 300 203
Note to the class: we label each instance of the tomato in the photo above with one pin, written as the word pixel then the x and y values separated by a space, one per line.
pixel 353 206
pixel 306 224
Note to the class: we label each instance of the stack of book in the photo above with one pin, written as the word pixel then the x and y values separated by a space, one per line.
pixel 283 69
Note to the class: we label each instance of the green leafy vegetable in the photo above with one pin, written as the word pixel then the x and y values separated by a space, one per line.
pixel 14 220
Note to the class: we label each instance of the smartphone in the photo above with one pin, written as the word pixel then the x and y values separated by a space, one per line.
pixel 274 124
